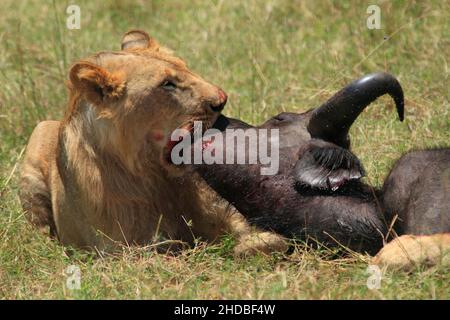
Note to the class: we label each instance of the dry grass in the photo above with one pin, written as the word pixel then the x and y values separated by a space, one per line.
pixel 269 56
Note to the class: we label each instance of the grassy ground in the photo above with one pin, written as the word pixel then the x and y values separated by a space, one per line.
pixel 270 56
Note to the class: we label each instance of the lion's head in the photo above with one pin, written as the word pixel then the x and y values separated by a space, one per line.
pixel 135 98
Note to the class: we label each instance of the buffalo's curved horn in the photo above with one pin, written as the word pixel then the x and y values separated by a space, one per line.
pixel 332 120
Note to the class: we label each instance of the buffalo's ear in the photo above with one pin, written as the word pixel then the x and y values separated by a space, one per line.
pixel 137 39
pixel 327 167
pixel 96 83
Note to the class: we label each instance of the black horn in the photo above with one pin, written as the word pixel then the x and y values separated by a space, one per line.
pixel 332 120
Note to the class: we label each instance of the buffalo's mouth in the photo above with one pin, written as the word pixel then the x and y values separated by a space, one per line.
pixel 221 123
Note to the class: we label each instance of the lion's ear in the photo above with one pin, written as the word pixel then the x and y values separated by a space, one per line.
pixel 137 39
pixel 95 83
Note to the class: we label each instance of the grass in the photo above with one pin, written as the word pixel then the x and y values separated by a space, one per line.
pixel 269 56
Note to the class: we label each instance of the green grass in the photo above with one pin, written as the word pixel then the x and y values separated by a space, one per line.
pixel 269 56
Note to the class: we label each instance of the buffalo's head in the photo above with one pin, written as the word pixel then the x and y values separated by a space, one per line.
pixel 316 191
pixel 315 144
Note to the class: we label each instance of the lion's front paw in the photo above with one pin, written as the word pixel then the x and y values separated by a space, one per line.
pixel 262 242
pixel 408 251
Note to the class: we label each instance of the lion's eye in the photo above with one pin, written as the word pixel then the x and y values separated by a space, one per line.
pixel 168 85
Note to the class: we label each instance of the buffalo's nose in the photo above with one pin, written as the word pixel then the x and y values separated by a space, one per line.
pixel 217 107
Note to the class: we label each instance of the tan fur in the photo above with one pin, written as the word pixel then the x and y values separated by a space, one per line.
pixel 409 251
pixel 98 178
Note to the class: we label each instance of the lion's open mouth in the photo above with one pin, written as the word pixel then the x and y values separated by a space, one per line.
pixel 187 132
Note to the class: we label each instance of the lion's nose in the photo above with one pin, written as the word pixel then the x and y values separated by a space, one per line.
pixel 217 107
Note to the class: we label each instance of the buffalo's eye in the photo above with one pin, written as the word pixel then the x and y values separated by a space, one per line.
pixel 168 85
pixel 284 116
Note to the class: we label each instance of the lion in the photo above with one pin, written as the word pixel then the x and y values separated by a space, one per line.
pixel 102 176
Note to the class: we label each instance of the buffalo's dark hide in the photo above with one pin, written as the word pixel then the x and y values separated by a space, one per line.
pixel 317 192
pixel 416 193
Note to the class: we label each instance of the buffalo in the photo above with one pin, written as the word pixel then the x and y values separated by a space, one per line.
pixel 317 192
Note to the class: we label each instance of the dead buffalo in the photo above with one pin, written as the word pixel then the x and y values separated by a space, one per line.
pixel 316 192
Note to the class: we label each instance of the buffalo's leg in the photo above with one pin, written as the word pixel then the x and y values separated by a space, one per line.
pixel 418 191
